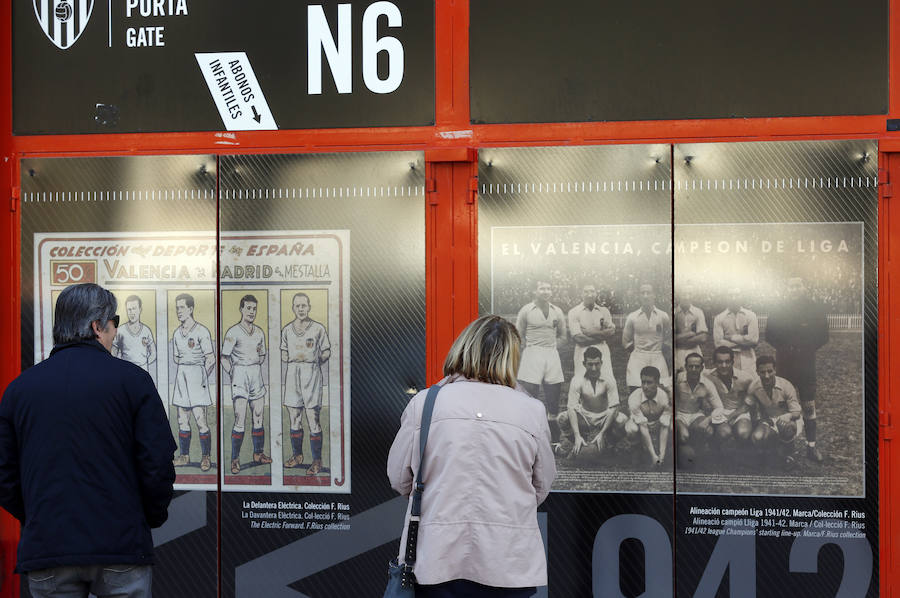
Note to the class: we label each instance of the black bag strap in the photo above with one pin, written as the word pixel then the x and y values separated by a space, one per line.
pixel 412 534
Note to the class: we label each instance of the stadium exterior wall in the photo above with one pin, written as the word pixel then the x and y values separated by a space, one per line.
pixel 451 225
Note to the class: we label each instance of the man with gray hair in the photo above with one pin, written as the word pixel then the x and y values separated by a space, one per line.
pixel 85 458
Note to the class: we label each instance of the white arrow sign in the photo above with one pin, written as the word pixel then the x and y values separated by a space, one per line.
pixel 236 92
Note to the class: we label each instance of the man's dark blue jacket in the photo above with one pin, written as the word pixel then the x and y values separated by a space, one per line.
pixel 85 459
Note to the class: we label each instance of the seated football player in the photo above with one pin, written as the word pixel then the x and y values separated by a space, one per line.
pixel 731 385
pixel 592 414
pixel 780 414
pixel 693 393
pixel 650 415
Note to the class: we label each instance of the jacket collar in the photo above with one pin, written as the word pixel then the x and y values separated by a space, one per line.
pixel 653 311
pixel 92 343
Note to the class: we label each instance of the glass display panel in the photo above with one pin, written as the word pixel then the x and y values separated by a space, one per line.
pixel 775 253
pixel 143 227
pixel 322 287
pixel 573 247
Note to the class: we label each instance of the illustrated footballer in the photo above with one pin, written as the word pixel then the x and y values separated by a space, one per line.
pixel 304 350
pixel 194 359
pixel 243 353
pixel 134 341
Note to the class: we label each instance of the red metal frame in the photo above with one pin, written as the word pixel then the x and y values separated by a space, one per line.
pixel 451 233
pixel 9 277
pixel 451 214
pixel 889 329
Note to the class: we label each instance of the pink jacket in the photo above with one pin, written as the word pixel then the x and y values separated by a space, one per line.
pixel 488 465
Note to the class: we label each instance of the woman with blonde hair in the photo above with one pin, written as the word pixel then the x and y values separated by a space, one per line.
pixel 488 465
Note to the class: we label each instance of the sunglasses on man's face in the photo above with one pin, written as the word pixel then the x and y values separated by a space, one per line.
pixel 115 320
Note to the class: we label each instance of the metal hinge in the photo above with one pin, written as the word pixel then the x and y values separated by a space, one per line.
pixel 14 200
pixel 431 191
pixel 884 421
pixel 884 181
pixel 473 190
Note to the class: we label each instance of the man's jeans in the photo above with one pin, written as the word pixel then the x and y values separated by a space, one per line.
pixel 104 581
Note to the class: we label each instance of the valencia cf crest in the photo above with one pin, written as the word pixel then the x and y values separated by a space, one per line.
pixel 63 21
pixel 191 343
pixel 309 343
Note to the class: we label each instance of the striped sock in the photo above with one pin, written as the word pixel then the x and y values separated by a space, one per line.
pixel 205 443
pixel 237 439
pixel 259 439
pixel 297 441
pixel 315 443
pixel 184 441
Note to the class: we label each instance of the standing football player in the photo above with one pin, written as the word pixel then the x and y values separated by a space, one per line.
pixel 194 360
pixel 738 329
pixel 305 349
pixel 541 326
pixel 690 327
pixel 644 333
pixel 134 341
pixel 243 354
pixel 797 330
pixel 591 325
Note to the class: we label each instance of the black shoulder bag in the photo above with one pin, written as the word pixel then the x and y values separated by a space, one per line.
pixel 401 581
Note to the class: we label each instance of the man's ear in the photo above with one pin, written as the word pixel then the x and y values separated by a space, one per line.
pixel 95 325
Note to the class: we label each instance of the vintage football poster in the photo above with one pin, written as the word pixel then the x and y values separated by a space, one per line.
pixel 268 359
pixel 285 361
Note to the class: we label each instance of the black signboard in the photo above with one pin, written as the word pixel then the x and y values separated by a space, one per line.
pixel 608 61
pixel 86 66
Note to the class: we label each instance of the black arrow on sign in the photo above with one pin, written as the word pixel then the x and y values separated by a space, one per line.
pixel 256 115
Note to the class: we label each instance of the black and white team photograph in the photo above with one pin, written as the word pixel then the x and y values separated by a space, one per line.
pixel 746 377
pixel 592 305
pixel 769 358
